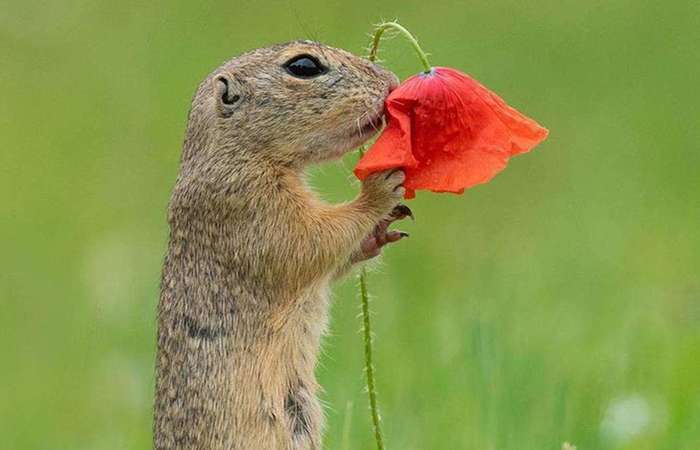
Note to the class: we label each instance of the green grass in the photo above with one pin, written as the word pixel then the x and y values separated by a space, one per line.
pixel 560 302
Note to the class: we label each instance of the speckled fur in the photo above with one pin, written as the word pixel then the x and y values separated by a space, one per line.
pixel 252 251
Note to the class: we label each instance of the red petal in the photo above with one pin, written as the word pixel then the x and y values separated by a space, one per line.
pixel 449 133
pixel 393 147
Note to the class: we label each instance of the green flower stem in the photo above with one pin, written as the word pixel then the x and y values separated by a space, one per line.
pixel 379 31
pixel 369 368
pixel 364 296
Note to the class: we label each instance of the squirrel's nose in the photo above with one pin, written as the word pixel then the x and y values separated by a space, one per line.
pixel 389 76
pixel 393 81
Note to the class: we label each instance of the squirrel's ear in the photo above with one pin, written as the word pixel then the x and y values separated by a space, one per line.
pixel 228 93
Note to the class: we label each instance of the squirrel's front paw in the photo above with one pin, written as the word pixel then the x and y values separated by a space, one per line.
pixel 372 245
pixel 384 190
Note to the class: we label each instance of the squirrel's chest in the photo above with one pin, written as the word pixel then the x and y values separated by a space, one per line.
pixel 304 321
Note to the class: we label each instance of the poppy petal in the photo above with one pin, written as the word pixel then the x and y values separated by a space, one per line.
pixel 393 147
pixel 449 133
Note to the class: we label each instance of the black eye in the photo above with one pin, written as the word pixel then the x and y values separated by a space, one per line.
pixel 305 66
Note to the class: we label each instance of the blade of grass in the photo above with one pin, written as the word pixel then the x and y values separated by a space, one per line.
pixel 347 425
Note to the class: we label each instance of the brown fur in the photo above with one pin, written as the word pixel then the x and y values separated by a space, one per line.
pixel 252 250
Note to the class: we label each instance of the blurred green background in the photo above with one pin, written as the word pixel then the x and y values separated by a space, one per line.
pixel 560 302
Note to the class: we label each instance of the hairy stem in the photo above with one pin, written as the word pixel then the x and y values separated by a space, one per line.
pixel 364 296
pixel 369 367
pixel 367 338
pixel 379 31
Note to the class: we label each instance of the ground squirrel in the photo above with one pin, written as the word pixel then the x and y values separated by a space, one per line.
pixel 252 250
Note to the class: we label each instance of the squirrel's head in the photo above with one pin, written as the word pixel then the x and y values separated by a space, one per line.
pixel 295 104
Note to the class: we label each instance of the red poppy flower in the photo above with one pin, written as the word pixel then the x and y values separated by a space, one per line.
pixel 448 133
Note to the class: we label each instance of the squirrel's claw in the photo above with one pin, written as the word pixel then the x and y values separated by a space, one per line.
pixel 401 211
pixel 371 246
pixel 396 235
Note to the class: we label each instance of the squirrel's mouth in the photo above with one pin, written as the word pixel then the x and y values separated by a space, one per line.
pixel 370 126
pixel 362 129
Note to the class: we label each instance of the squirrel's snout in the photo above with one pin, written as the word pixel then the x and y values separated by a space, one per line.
pixel 393 81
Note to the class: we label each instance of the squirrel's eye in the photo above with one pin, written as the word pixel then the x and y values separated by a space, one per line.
pixel 305 66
